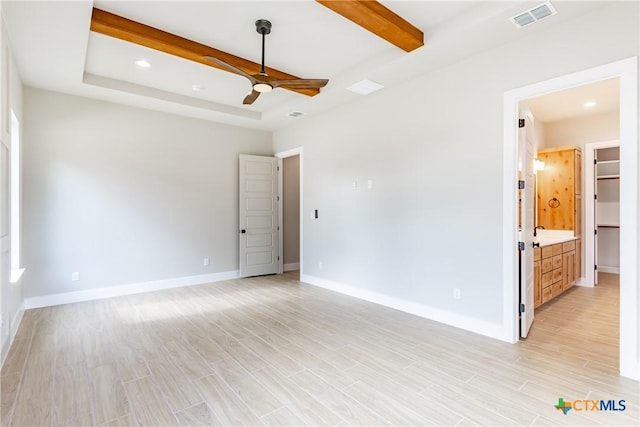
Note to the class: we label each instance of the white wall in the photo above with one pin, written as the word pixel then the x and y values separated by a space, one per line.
pixel 124 195
pixel 433 148
pixel 583 130
pixel 539 135
pixel 291 210
pixel 11 100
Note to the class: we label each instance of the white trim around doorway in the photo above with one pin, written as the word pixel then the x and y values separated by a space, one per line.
pixel 627 71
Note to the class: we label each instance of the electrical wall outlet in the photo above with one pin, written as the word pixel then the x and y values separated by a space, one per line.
pixel 75 276
pixel 456 293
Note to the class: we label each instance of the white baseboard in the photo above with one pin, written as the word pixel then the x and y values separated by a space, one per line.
pixel 582 281
pixel 291 266
pixel 129 289
pixel 15 324
pixel 481 327
pixel 608 269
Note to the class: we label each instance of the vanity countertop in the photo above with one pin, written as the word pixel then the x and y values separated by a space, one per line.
pixel 553 237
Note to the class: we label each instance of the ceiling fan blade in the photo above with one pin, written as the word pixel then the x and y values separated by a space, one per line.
pixel 300 83
pixel 231 68
pixel 249 99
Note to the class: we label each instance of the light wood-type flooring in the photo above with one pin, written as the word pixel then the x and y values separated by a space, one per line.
pixel 273 351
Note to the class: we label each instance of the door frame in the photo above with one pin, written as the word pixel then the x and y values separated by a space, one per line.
pixel 589 205
pixel 627 71
pixel 298 151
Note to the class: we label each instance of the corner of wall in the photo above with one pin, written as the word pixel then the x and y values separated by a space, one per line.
pixel 127 289
pixel 491 330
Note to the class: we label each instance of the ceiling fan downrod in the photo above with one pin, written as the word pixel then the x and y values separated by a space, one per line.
pixel 263 27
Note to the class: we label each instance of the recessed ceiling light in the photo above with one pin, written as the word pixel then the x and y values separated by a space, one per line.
pixel 197 88
pixel 365 87
pixel 143 63
pixel 589 104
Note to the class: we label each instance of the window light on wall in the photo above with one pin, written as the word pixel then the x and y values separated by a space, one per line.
pixel 15 185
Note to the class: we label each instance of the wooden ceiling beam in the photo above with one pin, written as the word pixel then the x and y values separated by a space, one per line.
pixel 375 17
pixel 112 25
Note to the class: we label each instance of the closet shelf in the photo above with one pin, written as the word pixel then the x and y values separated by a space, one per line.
pixel 608 177
pixel 609 225
pixel 607 162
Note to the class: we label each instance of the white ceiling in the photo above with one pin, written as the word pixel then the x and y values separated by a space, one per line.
pixel 569 103
pixel 55 50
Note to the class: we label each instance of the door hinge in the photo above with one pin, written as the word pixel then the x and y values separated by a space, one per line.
pixel 521 184
pixel 278 168
pixel 595 232
pixel 278 257
pixel 278 228
pixel 278 198
pixel 595 197
pixel 521 246
pixel 520 123
pixel 521 308
pixel 595 161
pixel 595 267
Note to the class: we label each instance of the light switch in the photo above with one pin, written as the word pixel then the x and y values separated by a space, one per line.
pixel 369 184
pixel 354 184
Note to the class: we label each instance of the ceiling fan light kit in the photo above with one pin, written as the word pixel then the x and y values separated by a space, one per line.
pixel 262 82
pixel 262 87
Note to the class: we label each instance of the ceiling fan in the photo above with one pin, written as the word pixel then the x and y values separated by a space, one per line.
pixel 262 82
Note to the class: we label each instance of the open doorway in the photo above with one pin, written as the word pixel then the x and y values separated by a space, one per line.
pixel 564 126
pixel 579 118
pixel 602 211
pixel 291 211
pixel 626 71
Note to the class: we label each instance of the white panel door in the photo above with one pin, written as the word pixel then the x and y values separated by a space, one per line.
pixel 526 157
pixel 258 215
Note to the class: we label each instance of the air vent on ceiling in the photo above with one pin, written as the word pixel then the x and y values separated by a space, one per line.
pixel 295 114
pixel 532 15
